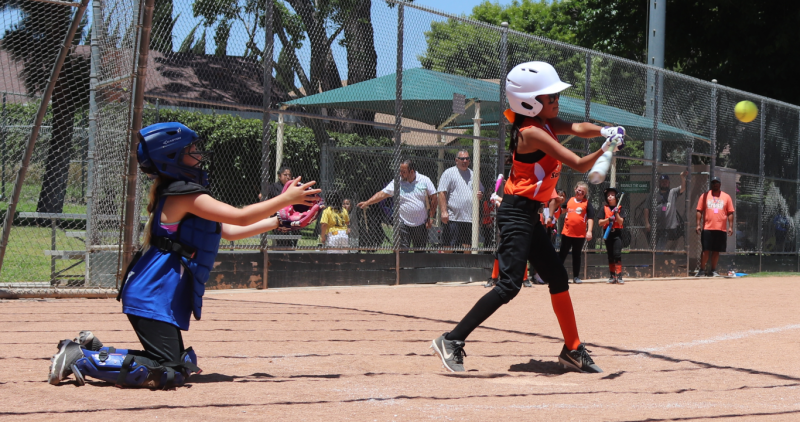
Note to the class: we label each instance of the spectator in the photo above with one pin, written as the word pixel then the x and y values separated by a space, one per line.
pixel 715 209
pixel 614 217
pixel 665 201
pixel 417 205
pixel 577 229
pixel 347 205
pixel 275 189
pixel 455 202
pixel 335 225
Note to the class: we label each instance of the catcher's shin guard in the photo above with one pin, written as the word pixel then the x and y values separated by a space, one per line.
pixel 121 368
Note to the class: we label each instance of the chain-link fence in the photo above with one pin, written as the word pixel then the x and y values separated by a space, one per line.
pixel 368 98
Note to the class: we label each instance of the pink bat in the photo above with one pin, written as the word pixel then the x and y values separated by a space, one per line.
pixel 499 182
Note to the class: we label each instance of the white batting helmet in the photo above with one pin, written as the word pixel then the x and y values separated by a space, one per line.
pixel 527 80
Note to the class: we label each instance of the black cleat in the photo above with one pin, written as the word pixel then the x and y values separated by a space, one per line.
pixel 490 282
pixel 578 360
pixel 88 341
pixel 61 364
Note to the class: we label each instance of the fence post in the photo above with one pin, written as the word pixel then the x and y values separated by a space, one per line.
pixel 143 48
pixel 713 129
pixel 687 203
pixel 656 157
pixel 501 123
pixel 3 124
pixel 37 124
pixel 476 177
pixel 279 146
pixel 398 126
pixel 587 94
pixel 761 182
pixel 269 41
pixel 797 189
pixel 97 20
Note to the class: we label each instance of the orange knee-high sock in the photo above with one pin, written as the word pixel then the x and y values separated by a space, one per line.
pixel 612 268
pixel 526 273
pixel 619 268
pixel 496 269
pixel 562 305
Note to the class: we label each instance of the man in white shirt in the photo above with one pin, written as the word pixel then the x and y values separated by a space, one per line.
pixel 417 205
pixel 455 201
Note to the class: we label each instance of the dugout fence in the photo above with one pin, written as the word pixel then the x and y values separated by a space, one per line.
pixel 343 94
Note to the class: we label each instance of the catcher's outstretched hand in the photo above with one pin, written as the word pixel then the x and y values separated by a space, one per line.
pixel 301 193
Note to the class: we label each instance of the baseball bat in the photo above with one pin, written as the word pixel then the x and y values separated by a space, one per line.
pixel 610 224
pixel 600 168
pixel 493 199
pixel 499 182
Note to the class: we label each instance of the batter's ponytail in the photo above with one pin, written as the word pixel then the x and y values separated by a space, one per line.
pixel 515 133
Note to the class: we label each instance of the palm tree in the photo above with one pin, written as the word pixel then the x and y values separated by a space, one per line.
pixel 35 41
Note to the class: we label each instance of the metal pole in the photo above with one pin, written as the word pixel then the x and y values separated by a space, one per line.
pixel 37 124
pixel 143 47
pixel 653 215
pixel 656 37
pixel 3 124
pixel 687 206
pixel 587 94
pixel 84 159
pixel 97 21
pixel 158 110
pixel 398 126
pixel 797 189
pixel 761 182
pixel 476 176
pixel 279 147
pixel 269 45
pixel 713 129
pixel 93 111
pixel 324 164
pixel 501 124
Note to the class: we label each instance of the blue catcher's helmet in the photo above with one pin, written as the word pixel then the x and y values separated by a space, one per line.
pixel 162 147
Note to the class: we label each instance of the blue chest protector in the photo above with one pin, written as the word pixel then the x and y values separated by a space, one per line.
pixel 168 282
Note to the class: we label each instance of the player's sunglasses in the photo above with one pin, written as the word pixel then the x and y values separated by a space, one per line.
pixel 553 97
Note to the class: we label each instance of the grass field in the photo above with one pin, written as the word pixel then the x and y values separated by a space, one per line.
pixel 25 260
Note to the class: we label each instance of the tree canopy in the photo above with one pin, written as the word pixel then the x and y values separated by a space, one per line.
pixel 740 43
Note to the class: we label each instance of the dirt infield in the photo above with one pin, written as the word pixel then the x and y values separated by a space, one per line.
pixel 671 350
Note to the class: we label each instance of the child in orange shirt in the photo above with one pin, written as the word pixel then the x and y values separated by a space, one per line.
pixel 613 216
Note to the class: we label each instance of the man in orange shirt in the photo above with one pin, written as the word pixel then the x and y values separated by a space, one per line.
pixel 716 209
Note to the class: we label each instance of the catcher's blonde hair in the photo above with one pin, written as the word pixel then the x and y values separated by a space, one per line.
pixel 151 208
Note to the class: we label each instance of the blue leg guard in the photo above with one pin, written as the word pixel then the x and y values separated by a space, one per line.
pixel 121 368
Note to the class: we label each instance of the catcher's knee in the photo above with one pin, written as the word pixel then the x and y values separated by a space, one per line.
pixel 121 368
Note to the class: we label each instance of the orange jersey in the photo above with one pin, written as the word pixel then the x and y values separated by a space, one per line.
pixel 717 209
pixel 578 213
pixel 608 213
pixel 557 214
pixel 537 180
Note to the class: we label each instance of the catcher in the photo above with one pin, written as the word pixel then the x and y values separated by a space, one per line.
pixel 165 282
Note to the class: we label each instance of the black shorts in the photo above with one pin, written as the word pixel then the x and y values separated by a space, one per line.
pixel 457 233
pixel 714 240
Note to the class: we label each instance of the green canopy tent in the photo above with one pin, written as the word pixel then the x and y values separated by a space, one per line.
pixel 428 97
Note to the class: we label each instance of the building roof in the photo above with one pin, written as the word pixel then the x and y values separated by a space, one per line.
pixel 187 79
